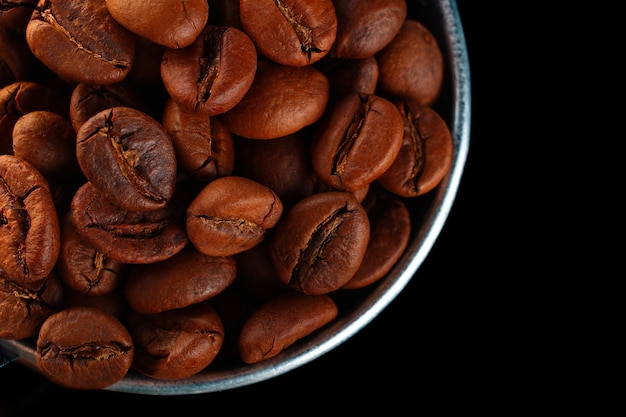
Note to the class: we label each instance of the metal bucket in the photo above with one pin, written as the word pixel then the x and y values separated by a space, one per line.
pixel 428 216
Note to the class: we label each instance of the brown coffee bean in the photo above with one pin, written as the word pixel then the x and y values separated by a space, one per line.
pixel 205 148
pixel 82 267
pixel 426 154
pixel 86 100
pixel 319 243
pixel 20 98
pixel 356 141
pixel 213 74
pixel 390 231
pixel 412 65
pixel 353 76
pixel 134 237
pixel 129 157
pixel 281 321
pixel 15 14
pixel 84 348
pixel 47 140
pixel 30 236
pixel 283 164
pixel 232 214
pixel 302 32
pixel 364 27
pixel 169 23
pixel 189 277
pixel 24 307
pixel 80 41
pixel 176 344
pixel 281 101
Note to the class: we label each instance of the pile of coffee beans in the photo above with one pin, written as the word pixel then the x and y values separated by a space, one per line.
pixel 188 185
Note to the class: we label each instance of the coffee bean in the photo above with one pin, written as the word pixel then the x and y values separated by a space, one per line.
pixel 30 234
pixel 84 348
pixel 213 74
pixel 134 237
pixel 25 306
pixel 189 277
pixel 390 231
pixel 319 243
pixel 356 141
pixel 128 157
pixel 302 34
pixel 281 321
pixel 426 153
pixel 80 41
pixel 168 23
pixel 47 140
pixel 204 147
pixel 82 267
pixel 281 101
pixel 176 344
pixel 232 214
pixel 364 27
pixel 22 97
pixel 411 66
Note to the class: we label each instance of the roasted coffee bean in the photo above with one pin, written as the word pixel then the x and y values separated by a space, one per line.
pixel 129 157
pixel 232 214
pixel 283 164
pixel 83 268
pixel 390 231
pixel 426 154
pixel 25 306
pixel 364 27
pixel 176 344
pixel 20 98
pixel 134 237
pixel 169 23
pixel 15 14
pixel 352 76
pixel 302 32
pixel 205 148
pixel 80 41
pixel 47 140
pixel 214 73
pixel 282 320
pixel 319 243
pixel 189 277
pixel 281 101
pixel 30 235
pixel 84 348
pixel 356 141
pixel 411 66
pixel 86 100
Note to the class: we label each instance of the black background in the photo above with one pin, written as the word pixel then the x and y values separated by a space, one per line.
pixel 431 347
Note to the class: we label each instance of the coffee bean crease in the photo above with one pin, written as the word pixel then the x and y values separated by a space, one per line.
pixel 47 16
pixel 313 252
pixel 304 34
pixel 209 64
